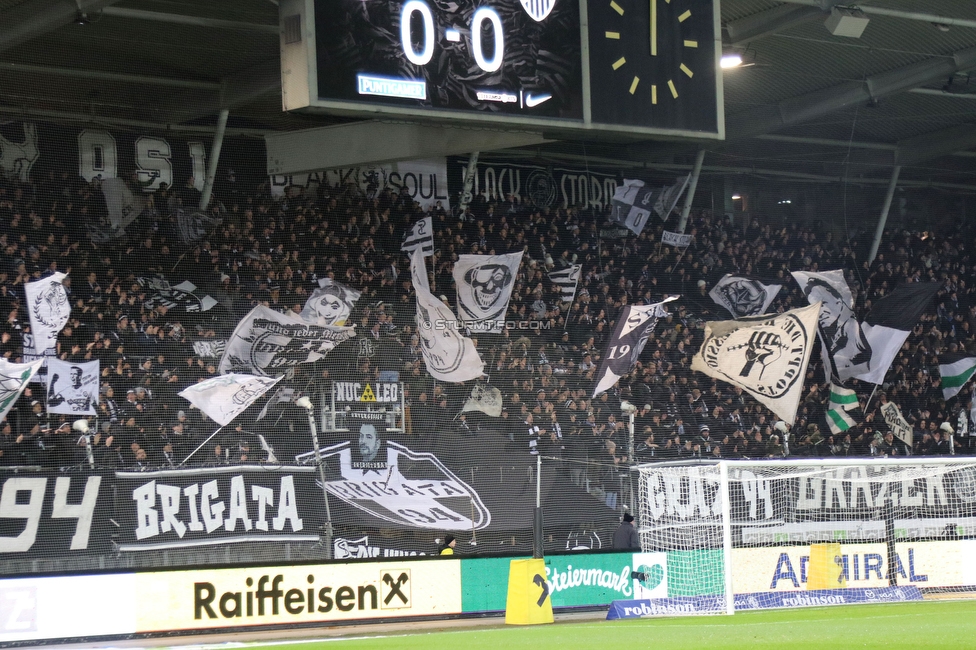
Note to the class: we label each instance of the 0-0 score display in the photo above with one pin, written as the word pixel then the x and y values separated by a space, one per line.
pixel 505 57
pixel 424 57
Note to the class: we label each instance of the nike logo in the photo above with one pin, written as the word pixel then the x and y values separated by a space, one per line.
pixel 533 101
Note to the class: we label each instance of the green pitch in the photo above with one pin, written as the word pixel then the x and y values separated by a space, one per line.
pixel 899 625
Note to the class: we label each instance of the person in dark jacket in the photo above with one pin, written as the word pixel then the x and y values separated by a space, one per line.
pixel 625 537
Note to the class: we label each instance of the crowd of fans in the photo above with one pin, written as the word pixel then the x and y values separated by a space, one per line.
pixel 273 251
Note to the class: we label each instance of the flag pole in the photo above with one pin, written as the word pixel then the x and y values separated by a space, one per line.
pixel 867 403
pixel 201 446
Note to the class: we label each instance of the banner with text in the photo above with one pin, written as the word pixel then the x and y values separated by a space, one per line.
pixel 425 181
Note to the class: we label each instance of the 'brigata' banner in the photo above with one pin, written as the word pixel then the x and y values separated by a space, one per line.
pixel 201 507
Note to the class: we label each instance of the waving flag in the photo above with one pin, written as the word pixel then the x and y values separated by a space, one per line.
pixel 484 286
pixel 744 296
pixel 567 280
pixel 847 351
pixel 420 237
pixel 634 325
pixel 766 356
pixel 889 323
pixel 268 343
pixel 956 370
pixel 448 354
pixel 225 397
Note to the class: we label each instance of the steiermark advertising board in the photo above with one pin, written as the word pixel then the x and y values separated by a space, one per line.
pixel 597 579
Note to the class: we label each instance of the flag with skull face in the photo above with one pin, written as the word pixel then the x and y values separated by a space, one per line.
pixel 484 287
pixel 744 296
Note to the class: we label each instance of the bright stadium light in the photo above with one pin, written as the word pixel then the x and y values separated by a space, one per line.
pixel 731 60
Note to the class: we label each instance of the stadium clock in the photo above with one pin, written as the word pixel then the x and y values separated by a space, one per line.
pixel 656 58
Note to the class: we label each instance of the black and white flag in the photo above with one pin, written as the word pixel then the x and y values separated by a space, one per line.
pixel 184 296
pixel 890 321
pixel 744 296
pixel 675 239
pixel 667 199
pixel 848 352
pixel 49 309
pixel 330 304
pixel 123 207
pixel 268 343
pixel 448 354
pixel 484 286
pixel 420 236
pixel 634 324
pixel 194 225
pixel 767 356
pixel 72 388
pixel 224 397
pixel 14 378
pixel 567 280
pixel 632 204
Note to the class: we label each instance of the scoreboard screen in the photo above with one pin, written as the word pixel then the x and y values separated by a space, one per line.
pixel 635 66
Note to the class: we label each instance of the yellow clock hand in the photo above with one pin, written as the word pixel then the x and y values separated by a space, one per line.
pixel 653 27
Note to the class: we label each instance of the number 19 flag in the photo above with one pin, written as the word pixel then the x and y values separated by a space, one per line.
pixel 634 325
pixel 767 356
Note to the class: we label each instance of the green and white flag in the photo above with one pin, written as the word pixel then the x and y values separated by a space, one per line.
pixel 956 370
pixel 842 398
pixel 838 420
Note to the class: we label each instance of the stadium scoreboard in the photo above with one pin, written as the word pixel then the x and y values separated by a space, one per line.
pixel 640 67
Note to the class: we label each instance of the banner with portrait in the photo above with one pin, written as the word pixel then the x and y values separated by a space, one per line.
pixel 72 388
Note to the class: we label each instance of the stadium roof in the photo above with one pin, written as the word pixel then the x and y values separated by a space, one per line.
pixel 806 103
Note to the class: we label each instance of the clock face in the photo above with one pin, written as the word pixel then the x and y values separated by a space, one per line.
pixel 652 63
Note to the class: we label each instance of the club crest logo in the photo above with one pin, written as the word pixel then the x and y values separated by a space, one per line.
pixel 540 186
pixel 538 9
pixel 743 297
pixel 414 489
pixel 51 307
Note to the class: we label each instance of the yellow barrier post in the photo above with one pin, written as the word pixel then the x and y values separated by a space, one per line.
pixel 528 593
pixel 826 569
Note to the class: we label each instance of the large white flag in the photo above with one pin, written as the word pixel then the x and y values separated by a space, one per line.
pixel 49 309
pixel 767 356
pixel 484 287
pixel 486 399
pixel 330 304
pixel 123 206
pixel 225 397
pixel 848 350
pixel 14 377
pixel 268 343
pixel 448 355
pixel 72 388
